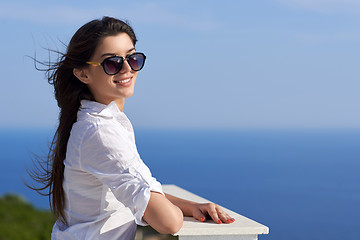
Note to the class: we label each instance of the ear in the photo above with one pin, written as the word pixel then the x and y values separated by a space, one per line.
pixel 81 74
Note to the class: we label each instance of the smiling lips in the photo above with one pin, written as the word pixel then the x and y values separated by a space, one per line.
pixel 125 82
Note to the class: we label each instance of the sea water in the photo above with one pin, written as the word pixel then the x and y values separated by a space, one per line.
pixel 302 184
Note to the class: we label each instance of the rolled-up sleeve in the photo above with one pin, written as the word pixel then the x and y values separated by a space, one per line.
pixel 108 154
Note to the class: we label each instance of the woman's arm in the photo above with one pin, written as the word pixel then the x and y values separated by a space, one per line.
pixel 162 215
pixel 201 211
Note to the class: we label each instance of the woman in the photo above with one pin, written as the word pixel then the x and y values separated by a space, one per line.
pixel 99 186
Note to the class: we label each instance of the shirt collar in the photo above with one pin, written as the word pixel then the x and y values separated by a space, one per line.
pixel 99 109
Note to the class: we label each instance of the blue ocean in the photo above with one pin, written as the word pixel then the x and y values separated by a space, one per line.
pixel 302 184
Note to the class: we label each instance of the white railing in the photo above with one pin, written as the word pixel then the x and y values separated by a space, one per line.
pixel 242 229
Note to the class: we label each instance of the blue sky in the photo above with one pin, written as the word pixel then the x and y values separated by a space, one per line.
pixel 222 64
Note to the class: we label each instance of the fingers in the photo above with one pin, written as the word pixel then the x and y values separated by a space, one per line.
pixel 198 215
pixel 215 212
pixel 224 217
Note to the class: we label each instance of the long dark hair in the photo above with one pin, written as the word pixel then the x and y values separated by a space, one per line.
pixel 69 91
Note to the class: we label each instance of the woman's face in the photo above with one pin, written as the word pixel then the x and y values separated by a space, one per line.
pixel 106 88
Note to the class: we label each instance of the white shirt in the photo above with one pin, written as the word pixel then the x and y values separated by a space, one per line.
pixel 107 186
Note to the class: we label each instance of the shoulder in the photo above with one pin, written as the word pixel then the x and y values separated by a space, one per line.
pixel 96 128
pixel 99 134
pixel 103 143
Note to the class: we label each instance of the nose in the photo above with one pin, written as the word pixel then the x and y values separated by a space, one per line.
pixel 125 67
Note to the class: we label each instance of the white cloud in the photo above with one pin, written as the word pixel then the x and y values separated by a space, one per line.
pixel 45 14
pixel 320 38
pixel 325 6
pixel 152 13
pixel 149 13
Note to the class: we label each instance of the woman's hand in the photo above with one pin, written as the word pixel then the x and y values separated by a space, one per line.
pixel 203 211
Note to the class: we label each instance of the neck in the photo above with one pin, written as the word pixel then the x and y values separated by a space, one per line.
pixel 120 103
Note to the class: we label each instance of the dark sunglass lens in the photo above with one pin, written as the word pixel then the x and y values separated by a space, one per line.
pixel 136 61
pixel 113 65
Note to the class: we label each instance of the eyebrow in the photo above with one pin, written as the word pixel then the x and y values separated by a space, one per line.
pixel 114 54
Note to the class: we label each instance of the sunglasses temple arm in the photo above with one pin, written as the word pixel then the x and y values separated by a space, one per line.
pixel 94 63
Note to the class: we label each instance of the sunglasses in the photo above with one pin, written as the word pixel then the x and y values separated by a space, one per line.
pixel 113 65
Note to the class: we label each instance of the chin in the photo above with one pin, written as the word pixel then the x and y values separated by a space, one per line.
pixel 128 94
